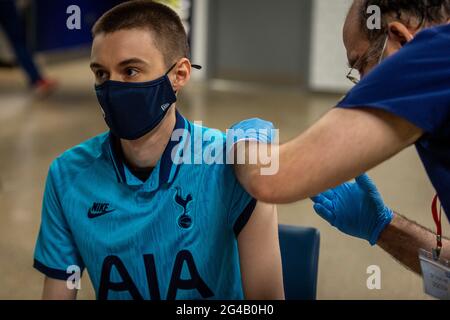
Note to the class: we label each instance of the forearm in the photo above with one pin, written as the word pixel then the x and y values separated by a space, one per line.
pixel 260 257
pixel 403 238
pixel 299 176
pixel 340 146
pixel 57 290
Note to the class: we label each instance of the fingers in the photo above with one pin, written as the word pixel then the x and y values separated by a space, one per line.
pixel 329 194
pixel 253 129
pixel 323 201
pixel 325 213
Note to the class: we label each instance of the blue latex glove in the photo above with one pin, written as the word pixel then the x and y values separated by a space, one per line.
pixel 355 208
pixel 254 129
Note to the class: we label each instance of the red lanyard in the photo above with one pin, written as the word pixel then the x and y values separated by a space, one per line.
pixel 437 215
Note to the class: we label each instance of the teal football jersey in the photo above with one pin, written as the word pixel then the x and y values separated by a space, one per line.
pixel 173 236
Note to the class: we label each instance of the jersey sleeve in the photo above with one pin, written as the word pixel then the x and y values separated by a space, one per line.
pixel 55 248
pixel 241 208
pixel 413 84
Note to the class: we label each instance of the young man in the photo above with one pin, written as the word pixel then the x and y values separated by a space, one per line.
pixel 403 101
pixel 143 225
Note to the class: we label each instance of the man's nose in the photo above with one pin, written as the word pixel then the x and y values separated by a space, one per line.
pixel 115 76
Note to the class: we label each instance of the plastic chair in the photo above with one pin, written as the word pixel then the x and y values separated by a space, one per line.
pixel 300 258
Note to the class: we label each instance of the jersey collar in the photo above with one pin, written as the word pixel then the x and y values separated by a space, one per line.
pixel 165 170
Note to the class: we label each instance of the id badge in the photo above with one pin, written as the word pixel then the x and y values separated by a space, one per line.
pixel 436 275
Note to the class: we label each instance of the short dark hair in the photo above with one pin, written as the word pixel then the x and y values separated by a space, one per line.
pixel 426 12
pixel 163 22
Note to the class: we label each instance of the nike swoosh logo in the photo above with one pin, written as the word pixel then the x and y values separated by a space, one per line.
pixel 92 215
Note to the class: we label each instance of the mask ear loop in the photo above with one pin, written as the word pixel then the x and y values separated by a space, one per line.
pixel 168 71
pixel 383 51
pixel 171 68
pixel 195 66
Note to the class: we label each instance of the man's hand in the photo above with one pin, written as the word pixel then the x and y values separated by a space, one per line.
pixel 254 129
pixel 355 208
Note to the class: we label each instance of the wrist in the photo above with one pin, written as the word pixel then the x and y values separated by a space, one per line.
pixel 384 223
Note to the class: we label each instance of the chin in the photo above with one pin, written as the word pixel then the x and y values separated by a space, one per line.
pixel 137 143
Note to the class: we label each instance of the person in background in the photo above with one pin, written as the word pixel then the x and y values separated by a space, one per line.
pixel 13 28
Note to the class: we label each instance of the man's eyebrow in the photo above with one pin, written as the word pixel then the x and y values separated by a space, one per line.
pixel 95 65
pixel 131 61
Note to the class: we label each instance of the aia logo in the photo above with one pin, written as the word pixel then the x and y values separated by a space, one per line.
pixel 185 220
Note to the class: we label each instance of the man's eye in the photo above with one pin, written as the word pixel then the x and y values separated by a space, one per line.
pixel 100 74
pixel 130 72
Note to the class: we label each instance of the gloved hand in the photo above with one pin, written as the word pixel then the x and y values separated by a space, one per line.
pixel 252 129
pixel 355 208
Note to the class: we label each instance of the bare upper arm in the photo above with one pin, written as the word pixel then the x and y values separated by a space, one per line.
pixel 343 144
pixel 57 290
pixel 260 258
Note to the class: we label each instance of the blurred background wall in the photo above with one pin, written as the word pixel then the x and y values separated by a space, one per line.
pixel 327 54
pixel 244 45
pixel 234 39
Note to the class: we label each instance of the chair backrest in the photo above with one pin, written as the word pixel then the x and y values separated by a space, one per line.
pixel 300 257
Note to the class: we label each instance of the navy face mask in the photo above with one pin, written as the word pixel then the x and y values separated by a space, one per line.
pixel 133 109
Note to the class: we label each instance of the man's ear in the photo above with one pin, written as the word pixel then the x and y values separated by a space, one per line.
pixel 398 36
pixel 181 74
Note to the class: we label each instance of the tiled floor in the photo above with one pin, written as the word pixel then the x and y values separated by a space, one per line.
pixel 32 133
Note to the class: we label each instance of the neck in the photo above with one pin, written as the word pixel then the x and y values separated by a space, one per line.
pixel 145 152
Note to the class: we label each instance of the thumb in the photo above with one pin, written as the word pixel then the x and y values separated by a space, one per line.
pixel 365 183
